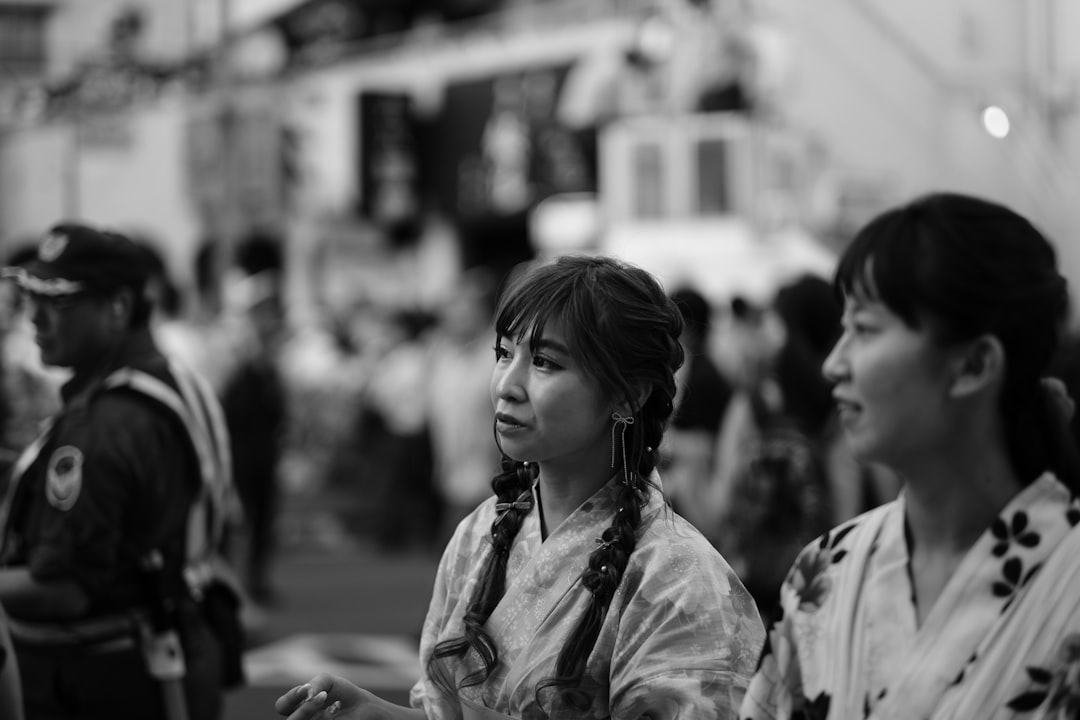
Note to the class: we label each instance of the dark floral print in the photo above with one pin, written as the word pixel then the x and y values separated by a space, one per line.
pixel 809 581
pixel 1013 577
pixel 1016 531
pixel 1058 686
pixel 1015 534
pixel 816 709
pixel 808 577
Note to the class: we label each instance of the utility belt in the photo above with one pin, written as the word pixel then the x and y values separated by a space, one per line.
pixel 106 633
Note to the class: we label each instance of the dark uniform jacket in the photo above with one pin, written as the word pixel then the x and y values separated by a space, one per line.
pixel 114 479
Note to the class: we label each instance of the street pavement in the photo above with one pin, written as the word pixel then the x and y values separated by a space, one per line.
pixel 351 610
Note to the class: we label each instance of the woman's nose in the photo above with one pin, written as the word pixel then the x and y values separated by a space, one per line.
pixel 507 380
pixel 835 366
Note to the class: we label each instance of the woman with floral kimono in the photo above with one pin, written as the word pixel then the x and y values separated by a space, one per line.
pixel 958 599
pixel 575 592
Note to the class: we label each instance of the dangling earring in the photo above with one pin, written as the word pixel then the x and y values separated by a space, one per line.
pixel 620 425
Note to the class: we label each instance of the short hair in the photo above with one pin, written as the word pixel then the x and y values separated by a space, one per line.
pixel 960 267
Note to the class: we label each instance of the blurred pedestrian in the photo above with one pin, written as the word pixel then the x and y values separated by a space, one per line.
pixel 458 411
pixel 256 413
pixel 959 598
pixel 777 492
pixel 575 591
pixel 255 400
pixel 398 441
pixel 29 392
pixel 100 567
pixel 700 403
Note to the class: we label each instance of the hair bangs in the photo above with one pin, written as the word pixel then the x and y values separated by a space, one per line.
pixel 882 265
pixel 528 309
pixel 542 299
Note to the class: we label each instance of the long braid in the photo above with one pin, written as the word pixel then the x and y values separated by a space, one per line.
pixel 622 328
pixel 512 486
pixel 608 561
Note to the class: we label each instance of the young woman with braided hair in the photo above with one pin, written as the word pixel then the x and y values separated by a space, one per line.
pixel 575 592
pixel 959 599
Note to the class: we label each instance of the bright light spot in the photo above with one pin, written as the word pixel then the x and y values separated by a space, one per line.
pixel 995 121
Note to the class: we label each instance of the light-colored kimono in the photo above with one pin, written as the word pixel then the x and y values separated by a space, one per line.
pixel 1001 641
pixel 680 639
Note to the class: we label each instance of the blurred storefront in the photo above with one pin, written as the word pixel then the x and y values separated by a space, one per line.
pixel 724 142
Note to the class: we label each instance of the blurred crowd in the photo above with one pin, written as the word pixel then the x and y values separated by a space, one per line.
pixel 376 425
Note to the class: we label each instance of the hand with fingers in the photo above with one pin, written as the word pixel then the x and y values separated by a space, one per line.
pixel 328 696
pixel 325 696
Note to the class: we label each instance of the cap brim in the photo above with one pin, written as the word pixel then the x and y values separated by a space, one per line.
pixel 36 279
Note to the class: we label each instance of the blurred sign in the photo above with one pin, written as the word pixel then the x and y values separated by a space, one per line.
pixel 236 155
pixel 321 31
pixel 503 149
pixel 105 131
pixel 389 172
pixel 106 87
pixel 500 149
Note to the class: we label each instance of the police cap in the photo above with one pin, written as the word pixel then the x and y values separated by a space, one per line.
pixel 74 258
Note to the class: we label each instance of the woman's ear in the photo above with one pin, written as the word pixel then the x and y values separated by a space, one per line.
pixel 638 396
pixel 981 365
pixel 641 395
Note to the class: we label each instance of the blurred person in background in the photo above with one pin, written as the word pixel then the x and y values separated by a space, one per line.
pixel 398 441
pixel 575 591
pixel 700 403
pixel 777 495
pixel 97 549
pixel 29 392
pixel 256 408
pixel 458 411
pixel 959 598
pixel 810 313
pixel 162 289
pixel 208 332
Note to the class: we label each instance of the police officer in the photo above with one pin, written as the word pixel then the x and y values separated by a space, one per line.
pixel 101 518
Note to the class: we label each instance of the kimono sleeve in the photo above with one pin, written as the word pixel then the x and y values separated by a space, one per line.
pixel 688 635
pixel 778 679
pixel 450 592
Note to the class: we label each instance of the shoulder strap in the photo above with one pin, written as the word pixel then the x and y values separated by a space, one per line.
pixel 197 408
pixel 26 459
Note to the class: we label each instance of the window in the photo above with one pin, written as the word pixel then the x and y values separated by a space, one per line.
pixel 22 40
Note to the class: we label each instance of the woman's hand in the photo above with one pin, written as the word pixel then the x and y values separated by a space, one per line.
pixel 329 696
pixel 325 696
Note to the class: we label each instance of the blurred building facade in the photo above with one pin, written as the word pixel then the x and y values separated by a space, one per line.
pixel 717 141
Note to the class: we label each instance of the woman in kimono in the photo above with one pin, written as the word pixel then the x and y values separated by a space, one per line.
pixel 959 598
pixel 575 592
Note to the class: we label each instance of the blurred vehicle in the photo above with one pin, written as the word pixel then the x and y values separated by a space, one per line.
pixel 714 201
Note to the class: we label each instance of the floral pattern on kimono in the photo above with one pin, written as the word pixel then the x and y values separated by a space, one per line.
pixel 1001 641
pixel 679 640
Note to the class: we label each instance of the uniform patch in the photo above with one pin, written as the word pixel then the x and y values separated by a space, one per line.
pixel 63 481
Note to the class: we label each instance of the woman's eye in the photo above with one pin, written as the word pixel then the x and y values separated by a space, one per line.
pixel 862 328
pixel 544 363
pixel 501 352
